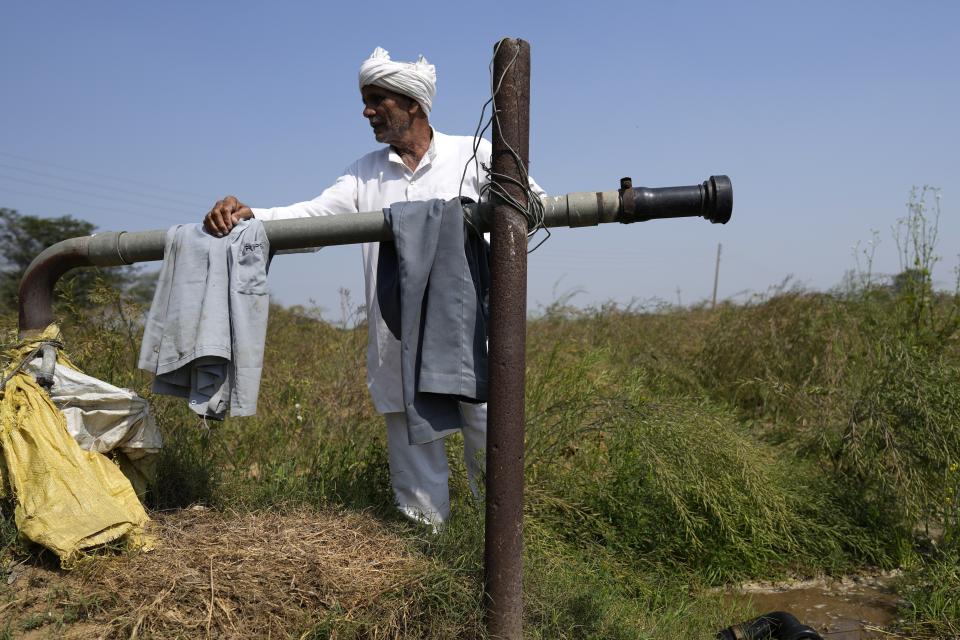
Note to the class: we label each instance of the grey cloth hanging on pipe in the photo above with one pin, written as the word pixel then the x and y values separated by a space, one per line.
pixel 432 286
pixel 207 324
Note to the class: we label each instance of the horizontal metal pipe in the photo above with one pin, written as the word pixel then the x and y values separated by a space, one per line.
pixel 114 248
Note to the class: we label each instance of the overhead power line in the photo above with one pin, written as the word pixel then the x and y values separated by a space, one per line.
pixel 167 215
pixel 37 183
pixel 96 185
pixel 102 175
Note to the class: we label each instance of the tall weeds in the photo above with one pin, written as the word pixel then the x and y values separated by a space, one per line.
pixel 667 449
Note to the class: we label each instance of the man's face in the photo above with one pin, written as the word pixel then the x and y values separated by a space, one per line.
pixel 390 114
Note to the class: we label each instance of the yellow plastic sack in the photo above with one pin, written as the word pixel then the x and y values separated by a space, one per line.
pixel 67 499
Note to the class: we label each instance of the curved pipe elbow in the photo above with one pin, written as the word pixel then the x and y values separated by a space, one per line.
pixel 35 295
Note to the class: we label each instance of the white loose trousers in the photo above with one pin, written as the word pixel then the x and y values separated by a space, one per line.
pixel 418 472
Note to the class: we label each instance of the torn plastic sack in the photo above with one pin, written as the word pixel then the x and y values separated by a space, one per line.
pixel 105 418
pixel 66 499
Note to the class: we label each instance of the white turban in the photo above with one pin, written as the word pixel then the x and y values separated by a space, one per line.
pixel 417 80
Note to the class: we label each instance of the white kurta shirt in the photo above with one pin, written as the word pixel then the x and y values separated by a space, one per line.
pixel 378 180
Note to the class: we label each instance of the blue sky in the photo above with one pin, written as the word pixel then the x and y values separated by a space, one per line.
pixel 824 114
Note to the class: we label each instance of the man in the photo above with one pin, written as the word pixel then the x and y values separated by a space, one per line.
pixel 419 163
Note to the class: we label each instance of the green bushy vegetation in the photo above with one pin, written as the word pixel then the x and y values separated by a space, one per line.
pixel 669 450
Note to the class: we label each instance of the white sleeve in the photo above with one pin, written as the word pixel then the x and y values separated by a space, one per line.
pixel 340 197
pixel 535 188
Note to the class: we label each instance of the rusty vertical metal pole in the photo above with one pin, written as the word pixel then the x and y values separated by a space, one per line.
pixel 508 324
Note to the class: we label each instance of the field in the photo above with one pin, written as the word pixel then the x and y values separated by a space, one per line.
pixel 670 451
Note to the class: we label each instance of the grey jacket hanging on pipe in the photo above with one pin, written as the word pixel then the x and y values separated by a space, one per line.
pixel 432 284
pixel 205 331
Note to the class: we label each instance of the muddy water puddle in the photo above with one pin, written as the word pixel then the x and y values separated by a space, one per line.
pixel 852 608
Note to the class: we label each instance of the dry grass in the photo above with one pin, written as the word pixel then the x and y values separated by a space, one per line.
pixel 251 575
pixel 262 574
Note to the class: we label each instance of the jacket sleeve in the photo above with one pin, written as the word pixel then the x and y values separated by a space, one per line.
pixel 340 197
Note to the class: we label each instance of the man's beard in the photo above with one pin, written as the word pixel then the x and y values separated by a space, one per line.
pixel 387 134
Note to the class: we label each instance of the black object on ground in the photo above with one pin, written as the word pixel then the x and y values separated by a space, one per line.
pixel 777 625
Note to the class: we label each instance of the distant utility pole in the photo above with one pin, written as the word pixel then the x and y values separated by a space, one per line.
pixel 716 277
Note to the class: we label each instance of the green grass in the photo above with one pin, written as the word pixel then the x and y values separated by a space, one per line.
pixel 932 594
pixel 668 451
